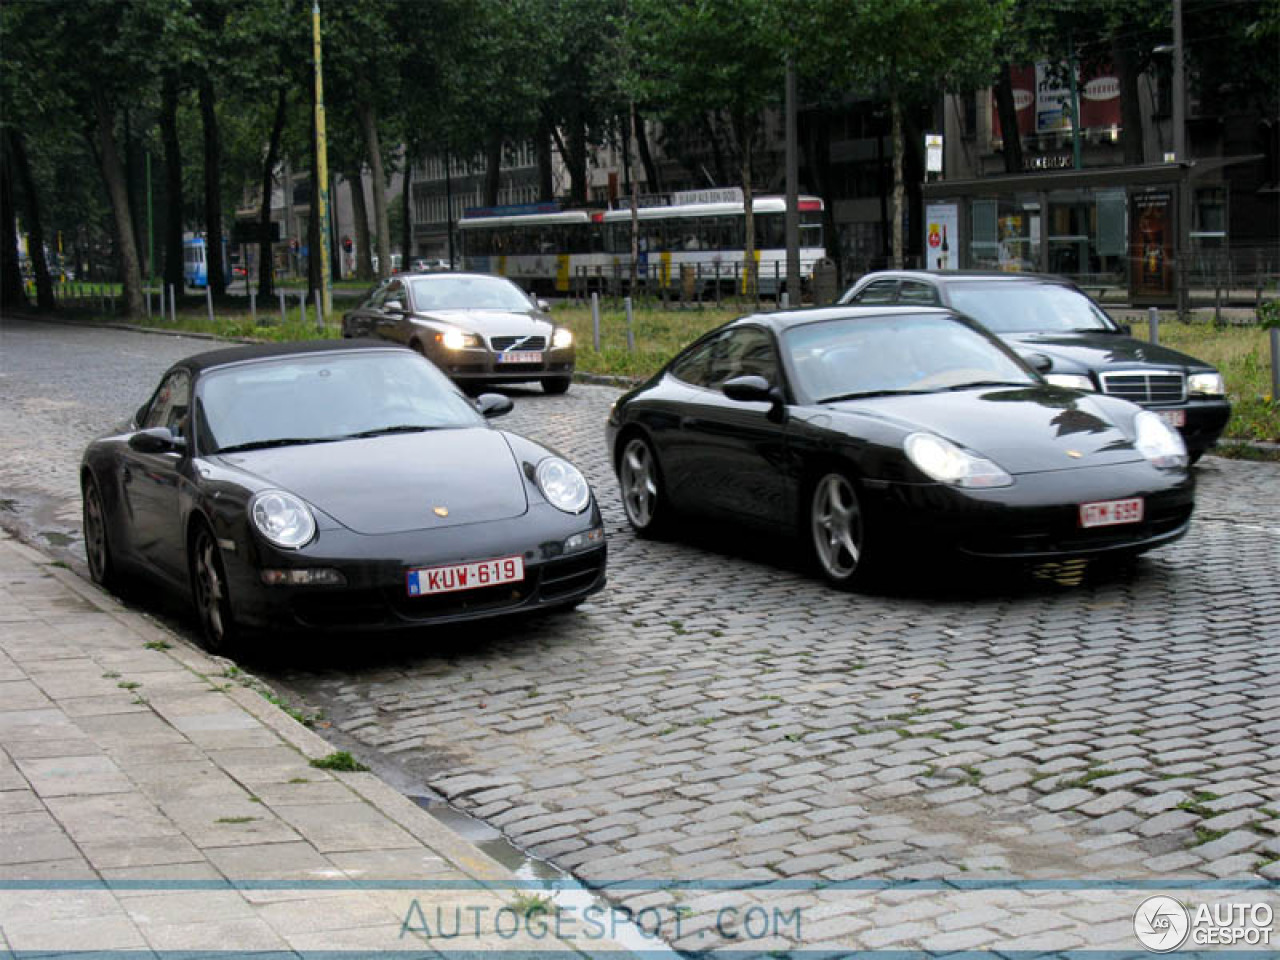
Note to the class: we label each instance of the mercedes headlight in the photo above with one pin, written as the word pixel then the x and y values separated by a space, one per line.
pixel 563 485
pixel 1159 442
pixel 1073 381
pixel 1206 385
pixel 943 461
pixel 563 337
pixel 283 519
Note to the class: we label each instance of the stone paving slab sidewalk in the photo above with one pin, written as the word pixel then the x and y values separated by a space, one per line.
pixel 149 805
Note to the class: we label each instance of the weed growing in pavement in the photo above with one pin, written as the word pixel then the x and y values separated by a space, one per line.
pixel 158 645
pixel 341 761
pixel 527 904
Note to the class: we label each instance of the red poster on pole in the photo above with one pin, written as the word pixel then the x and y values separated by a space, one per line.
pixel 1151 246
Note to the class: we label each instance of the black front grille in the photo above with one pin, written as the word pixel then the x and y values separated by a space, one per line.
pixel 1143 387
pixel 560 578
pixel 501 344
pixel 461 601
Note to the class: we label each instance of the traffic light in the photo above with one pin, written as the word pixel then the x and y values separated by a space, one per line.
pixel 346 244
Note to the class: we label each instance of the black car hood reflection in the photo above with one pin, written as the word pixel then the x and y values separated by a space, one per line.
pixel 490 322
pixel 1100 350
pixel 1033 430
pixel 392 484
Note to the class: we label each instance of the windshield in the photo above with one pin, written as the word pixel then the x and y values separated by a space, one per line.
pixel 1004 307
pixel 863 356
pixel 326 397
pixel 467 293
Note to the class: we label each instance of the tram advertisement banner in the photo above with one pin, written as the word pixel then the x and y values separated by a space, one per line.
pixel 1151 246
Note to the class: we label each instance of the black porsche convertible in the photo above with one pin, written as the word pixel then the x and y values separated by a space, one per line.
pixel 335 486
pixel 878 430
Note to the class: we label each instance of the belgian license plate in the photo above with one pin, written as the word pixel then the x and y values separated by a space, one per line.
pixel 520 356
pixel 450 578
pixel 1110 513
pixel 1174 418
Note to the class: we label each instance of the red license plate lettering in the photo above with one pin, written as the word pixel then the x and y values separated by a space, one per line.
pixel 1110 513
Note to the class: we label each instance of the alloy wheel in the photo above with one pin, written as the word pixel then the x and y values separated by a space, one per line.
pixel 638 478
pixel 837 528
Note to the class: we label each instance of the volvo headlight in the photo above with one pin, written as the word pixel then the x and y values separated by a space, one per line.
pixel 457 340
pixel 563 337
pixel 943 461
pixel 1159 442
pixel 283 519
pixel 1206 385
pixel 1073 381
pixel 563 485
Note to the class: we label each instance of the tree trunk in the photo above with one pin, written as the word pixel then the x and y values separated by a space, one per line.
pixel 1127 71
pixel 576 162
pixel 406 212
pixel 743 127
pixel 34 221
pixel 492 170
pixel 369 124
pixel 212 190
pixel 360 213
pixel 13 295
pixel 895 107
pixel 1008 113
pixel 542 149
pixel 172 183
pixel 653 183
pixel 266 262
pixel 113 179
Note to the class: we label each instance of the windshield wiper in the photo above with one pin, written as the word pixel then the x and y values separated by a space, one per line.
pixel 863 394
pixel 277 442
pixel 398 428
pixel 990 383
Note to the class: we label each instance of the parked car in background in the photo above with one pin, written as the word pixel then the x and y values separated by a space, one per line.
pixel 870 431
pixel 475 327
pixel 425 265
pixel 1070 339
pixel 334 487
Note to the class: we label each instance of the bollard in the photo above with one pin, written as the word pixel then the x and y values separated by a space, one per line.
pixel 253 306
pixel 281 292
pixel 319 302
pixel 1153 322
pixel 784 300
pixel 148 304
pixel 208 302
pixel 302 307
pixel 631 334
pixel 1275 366
pixel 595 320
pixel 173 303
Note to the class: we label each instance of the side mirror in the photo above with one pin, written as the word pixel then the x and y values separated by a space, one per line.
pixel 157 440
pixel 543 305
pixel 393 306
pixel 1039 362
pixel 749 389
pixel 493 404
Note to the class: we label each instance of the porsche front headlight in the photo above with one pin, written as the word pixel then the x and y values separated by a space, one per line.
pixel 1159 442
pixel 1206 385
pixel 563 485
pixel 282 519
pixel 943 461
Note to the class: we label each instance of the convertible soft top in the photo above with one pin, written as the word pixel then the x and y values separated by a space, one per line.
pixel 266 351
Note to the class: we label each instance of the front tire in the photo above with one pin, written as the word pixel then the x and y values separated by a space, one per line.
pixel 97 543
pixel 556 385
pixel 641 481
pixel 218 631
pixel 838 531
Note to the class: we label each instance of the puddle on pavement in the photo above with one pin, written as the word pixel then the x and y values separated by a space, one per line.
pixel 567 892
pixel 56 539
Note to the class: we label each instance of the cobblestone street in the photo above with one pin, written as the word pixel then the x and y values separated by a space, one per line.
pixel 718 714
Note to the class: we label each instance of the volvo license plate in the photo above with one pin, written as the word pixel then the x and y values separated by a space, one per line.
pixel 424 581
pixel 520 356
pixel 1110 513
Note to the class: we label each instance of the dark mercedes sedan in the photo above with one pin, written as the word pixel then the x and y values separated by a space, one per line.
pixel 1071 340
pixel 873 431
pixel 331 485
pixel 477 328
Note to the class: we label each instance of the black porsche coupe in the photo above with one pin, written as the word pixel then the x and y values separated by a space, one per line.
pixel 335 486
pixel 876 430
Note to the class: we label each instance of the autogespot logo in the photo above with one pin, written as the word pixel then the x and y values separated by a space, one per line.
pixel 1161 924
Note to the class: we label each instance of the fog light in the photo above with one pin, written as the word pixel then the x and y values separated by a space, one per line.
pixel 304 577
pixel 584 540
